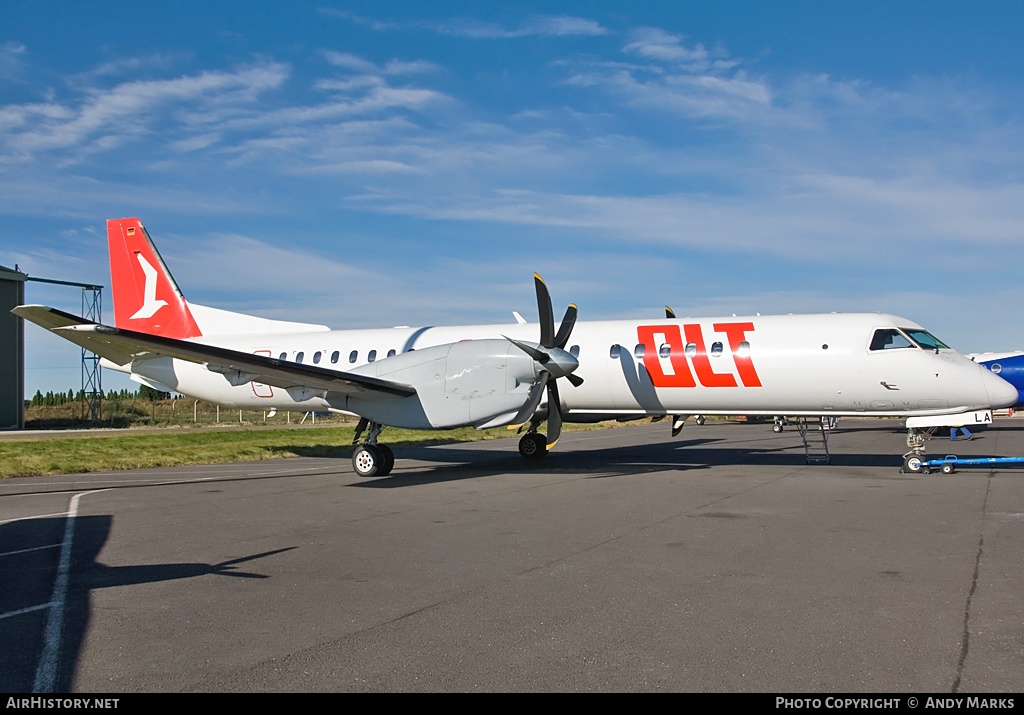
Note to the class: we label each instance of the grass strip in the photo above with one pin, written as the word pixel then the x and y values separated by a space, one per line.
pixel 103 453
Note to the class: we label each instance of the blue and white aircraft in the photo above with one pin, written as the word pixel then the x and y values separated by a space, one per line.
pixel 1009 366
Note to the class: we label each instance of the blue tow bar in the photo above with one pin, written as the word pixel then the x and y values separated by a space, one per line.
pixel 951 462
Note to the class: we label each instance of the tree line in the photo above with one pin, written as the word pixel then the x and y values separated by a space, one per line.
pixel 51 399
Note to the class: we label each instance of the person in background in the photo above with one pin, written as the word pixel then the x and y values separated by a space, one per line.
pixel 952 432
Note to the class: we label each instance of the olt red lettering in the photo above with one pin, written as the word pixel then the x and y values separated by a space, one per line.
pixel 736 333
pixel 682 377
pixel 702 363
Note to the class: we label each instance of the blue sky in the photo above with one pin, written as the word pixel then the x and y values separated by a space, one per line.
pixel 370 164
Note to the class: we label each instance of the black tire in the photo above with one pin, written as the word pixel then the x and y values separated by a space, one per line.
pixel 533 445
pixel 948 468
pixel 368 461
pixel 389 460
pixel 776 428
pixel 699 419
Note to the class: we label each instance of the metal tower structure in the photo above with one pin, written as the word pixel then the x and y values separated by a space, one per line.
pixel 92 383
pixel 92 309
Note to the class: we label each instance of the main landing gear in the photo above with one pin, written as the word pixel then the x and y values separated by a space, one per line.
pixel 533 444
pixel 371 459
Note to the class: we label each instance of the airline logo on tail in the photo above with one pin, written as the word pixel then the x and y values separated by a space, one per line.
pixel 149 302
pixel 146 298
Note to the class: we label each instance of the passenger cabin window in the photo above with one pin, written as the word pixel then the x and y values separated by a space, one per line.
pixel 334 356
pixel 316 357
pixel 353 356
pixel 889 339
pixel 614 352
pixel 299 356
pixel 282 356
pixel 716 349
pixel 690 350
pixel 638 351
pixel 371 356
pixel 665 350
pixel 391 353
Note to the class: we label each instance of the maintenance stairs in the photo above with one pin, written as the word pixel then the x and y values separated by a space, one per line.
pixel 814 433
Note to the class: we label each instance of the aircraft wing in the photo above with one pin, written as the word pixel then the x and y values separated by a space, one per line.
pixel 124 346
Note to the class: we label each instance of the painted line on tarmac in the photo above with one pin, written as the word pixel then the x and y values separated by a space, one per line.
pixel 34 516
pixel 25 551
pixel 20 611
pixel 46 672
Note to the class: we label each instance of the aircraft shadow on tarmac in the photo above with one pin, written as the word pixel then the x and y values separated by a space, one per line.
pixel 418 465
pixel 41 654
pixel 448 461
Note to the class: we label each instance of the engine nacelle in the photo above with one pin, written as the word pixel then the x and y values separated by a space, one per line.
pixel 470 383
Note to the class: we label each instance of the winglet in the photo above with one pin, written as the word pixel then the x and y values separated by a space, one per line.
pixel 146 298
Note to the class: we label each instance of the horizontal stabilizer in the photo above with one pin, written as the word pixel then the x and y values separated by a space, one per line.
pixel 214 321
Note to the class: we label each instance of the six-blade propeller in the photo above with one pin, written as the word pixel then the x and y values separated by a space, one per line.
pixel 553 361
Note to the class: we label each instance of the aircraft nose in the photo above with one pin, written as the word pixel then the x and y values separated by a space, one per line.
pixel 1000 393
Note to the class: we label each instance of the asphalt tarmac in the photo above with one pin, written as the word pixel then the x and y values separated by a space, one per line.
pixel 624 561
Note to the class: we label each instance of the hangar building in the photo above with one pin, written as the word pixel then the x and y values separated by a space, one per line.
pixel 12 350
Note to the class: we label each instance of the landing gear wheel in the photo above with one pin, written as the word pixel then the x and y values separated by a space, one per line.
pixel 368 461
pixel 948 468
pixel 699 419
pixel 533 445
pixel 914 464
pixel 776 428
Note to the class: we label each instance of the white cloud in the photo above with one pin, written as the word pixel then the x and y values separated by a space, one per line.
pixel 354 63
pixel 127 66
pixel 698 96
pixel 545 26
pixel 690 81
pixel 557 26
pixel 822 217
pixel 12 61
pixel 108 117
pixel 655 44
pixel 542 26
pixel 351 62
pixel 14 117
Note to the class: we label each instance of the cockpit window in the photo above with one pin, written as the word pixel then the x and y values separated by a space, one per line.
pixel 889 339
pixel 925 339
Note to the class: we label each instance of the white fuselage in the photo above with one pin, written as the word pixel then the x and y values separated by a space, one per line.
pixel 776 365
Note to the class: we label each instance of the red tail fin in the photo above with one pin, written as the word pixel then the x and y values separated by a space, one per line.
pixel 146 298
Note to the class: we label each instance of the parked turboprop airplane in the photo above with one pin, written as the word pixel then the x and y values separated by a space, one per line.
pixel 492 375
pixel 1009 366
